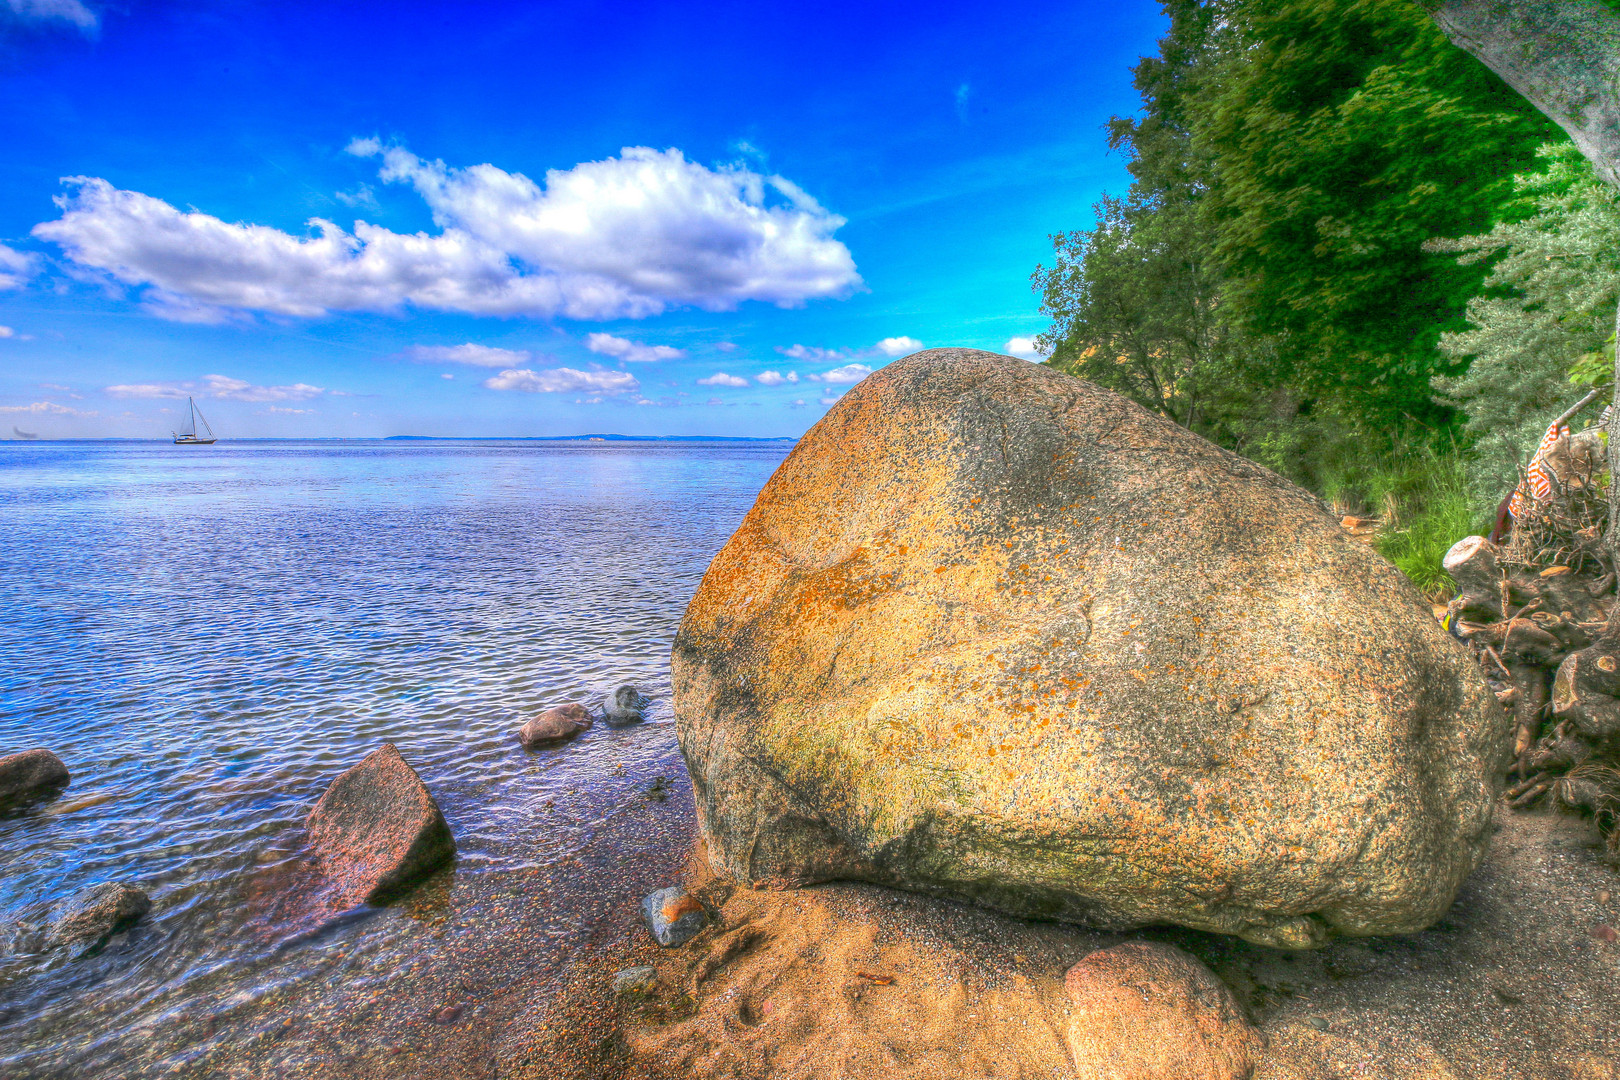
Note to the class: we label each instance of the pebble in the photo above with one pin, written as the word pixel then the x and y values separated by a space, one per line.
pixel 448 1015
pixel 635 980
pixel 673 915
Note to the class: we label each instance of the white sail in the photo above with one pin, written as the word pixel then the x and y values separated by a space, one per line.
pixel 207 433
pixel 194 417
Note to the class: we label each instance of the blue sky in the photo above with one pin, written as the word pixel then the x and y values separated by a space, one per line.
pixel 528 219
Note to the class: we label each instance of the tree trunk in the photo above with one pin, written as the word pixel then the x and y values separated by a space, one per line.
pixel 1562 55
pixel 1611 538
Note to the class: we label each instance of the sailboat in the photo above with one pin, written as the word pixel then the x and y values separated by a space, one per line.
pixel 192 436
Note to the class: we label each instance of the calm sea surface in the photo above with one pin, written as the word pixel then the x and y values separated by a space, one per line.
pixel 208 635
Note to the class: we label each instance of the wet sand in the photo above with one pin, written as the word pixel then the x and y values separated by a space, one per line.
pixel 1516 983
pixel 855 981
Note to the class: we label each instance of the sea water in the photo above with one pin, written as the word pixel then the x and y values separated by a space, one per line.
pixel 208 635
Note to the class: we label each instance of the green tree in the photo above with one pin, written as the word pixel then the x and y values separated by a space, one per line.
pixel 1344 135
pixel 1545 314
pixel 1133 299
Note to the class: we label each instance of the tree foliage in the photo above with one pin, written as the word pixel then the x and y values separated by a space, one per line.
pixel 1545 319
pixel 1264 280
pixel 1344 135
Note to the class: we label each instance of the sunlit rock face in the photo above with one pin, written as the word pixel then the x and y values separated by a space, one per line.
pixel 996 633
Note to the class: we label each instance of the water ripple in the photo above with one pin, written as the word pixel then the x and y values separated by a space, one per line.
pixel 208 635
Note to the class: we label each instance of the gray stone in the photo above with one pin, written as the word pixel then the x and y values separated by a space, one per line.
pixel 31 776
pixel 625 705
pixel 997 633
pixel 673 915
pixel 90 917
pixel 635 980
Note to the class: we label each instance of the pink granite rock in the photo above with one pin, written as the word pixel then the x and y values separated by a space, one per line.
pixel 1145 1011
pixel 555 724
pixel 377 829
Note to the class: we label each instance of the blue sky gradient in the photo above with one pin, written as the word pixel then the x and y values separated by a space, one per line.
pixel 824 190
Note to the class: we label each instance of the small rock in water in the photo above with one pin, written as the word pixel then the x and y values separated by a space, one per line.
pixel 555 724
pixel 658 790
pixel 625 706
pixel 636 980
pixel 673 915
pixel 1144 1011
pixel 377 828
pixel 30 776
pixel 95 914
pixel 448 1015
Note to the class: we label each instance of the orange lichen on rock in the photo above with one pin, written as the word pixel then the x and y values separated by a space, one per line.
pixel 914 664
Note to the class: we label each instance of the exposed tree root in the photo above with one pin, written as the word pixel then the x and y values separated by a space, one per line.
pixel 1541 614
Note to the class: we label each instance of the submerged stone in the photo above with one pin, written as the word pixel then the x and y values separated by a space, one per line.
pixel 90 917
pixel 555 724
pixel 635 980
pixel 626 705
pixel 377 829
pixel 31 776
pixel 997 633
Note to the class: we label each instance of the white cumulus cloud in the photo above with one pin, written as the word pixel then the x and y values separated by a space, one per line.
pixel 477 355
pixel 631 351
pixel 628 236
pixel 812 353
pixel 16 267
pixel 1023 348
pixel 563 380
pixel 46 407
pixel 849 373
pixel 898 346
pixel 70 11
pixel 776 378
pixel 221 387
pixel 720 378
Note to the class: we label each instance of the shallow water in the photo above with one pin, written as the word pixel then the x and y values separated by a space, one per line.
pixel 207 635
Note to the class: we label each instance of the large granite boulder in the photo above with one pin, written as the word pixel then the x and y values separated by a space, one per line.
pixel 30 776
pixel 997 633
pixel 377 829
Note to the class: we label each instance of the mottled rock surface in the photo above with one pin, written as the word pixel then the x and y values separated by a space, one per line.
pixel 376 829
pixel 555 725
pixel 89 917
pixel 626 705
pixel 673 915
pixel 994 632
pixel 1148 1011
pixel 30 776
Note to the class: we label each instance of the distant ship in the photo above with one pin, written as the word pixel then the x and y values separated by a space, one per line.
pixel 191 436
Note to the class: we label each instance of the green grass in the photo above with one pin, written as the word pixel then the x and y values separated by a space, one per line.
pixel 1423 497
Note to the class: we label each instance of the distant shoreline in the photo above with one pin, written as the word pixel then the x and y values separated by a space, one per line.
pixel 451 438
